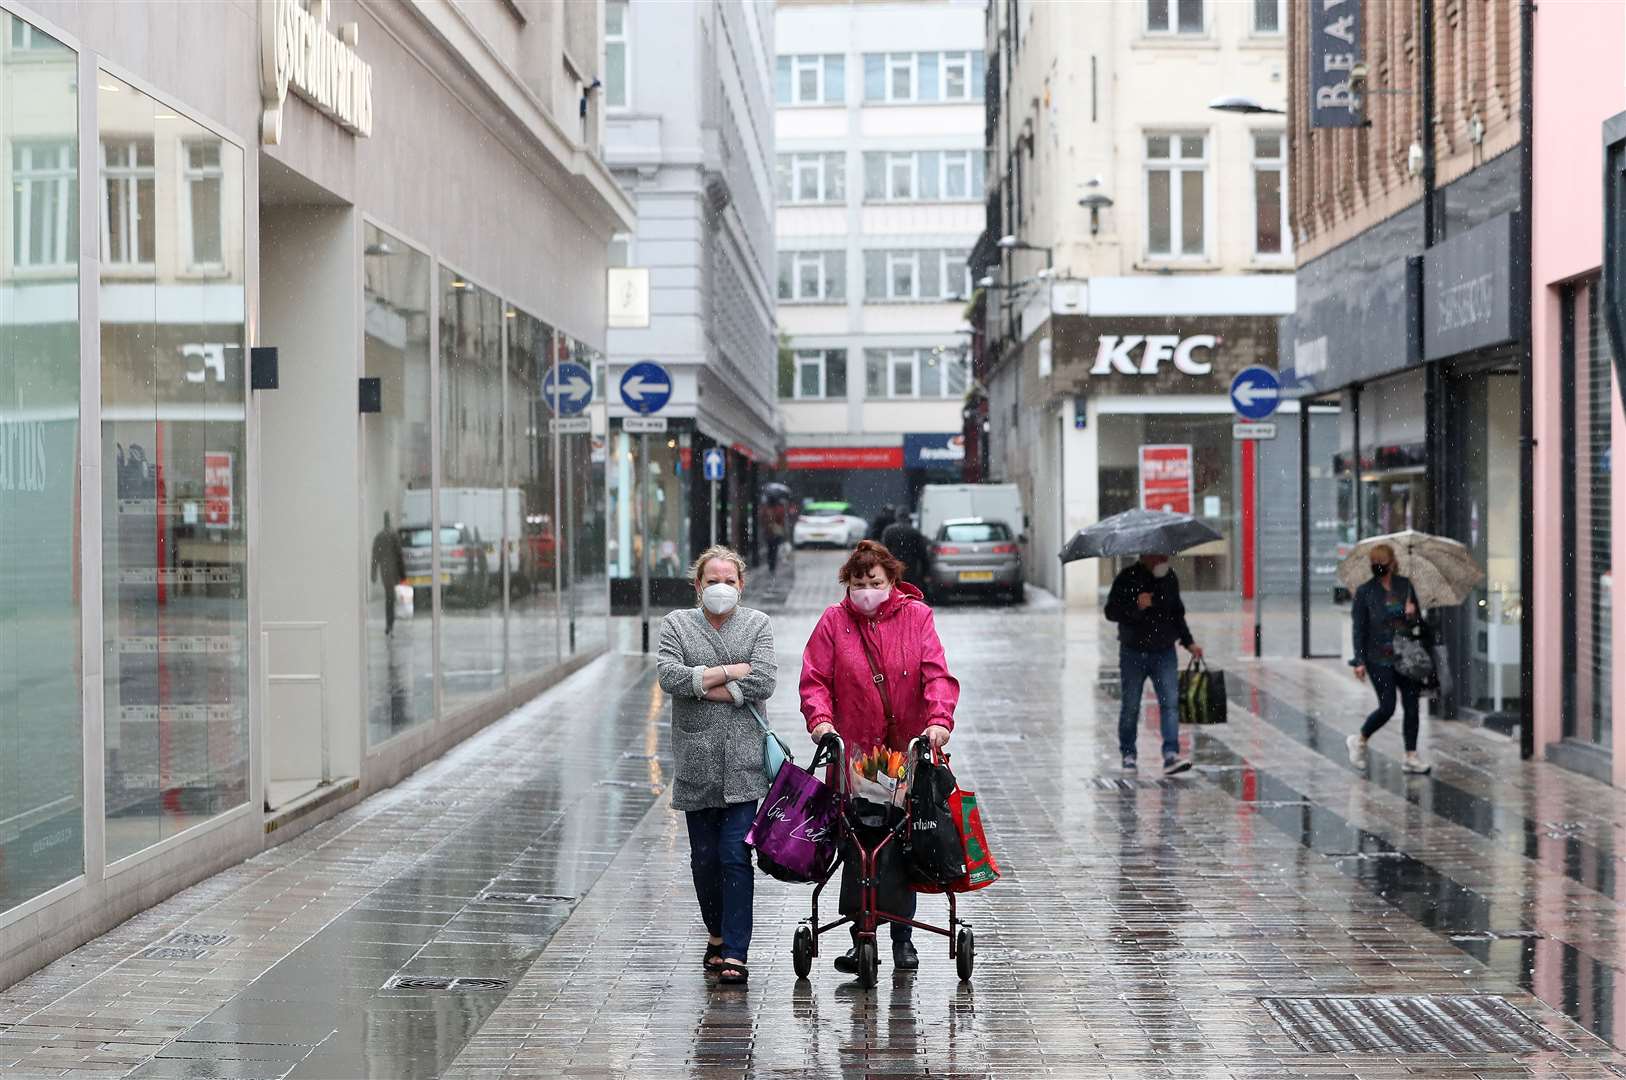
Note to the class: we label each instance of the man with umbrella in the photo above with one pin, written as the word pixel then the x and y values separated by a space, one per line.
pixel 1145 603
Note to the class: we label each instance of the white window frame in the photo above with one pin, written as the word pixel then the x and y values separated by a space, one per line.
pixel 909 358
pixel 55 183
pixel 962 61
pixel 813 163
pixel 1281 21
pixel 1278 165
pixel 964 158
pixel 899 258
pixel 1175 167
pixel 898 60
pixel 189 176
pixel 798 261
pixel 911 160
pixel 1172 9
pixel 814 358
pixel 953 269
pixel 623 39
pixel 798 62
pixel 129 177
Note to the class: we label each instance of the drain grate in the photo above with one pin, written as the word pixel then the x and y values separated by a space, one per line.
pixel 441 982
pixel 524 898
pixel 1412 1024
pixel 194 940
pixel 1197 956
pixel 1499 935
pixel 170 952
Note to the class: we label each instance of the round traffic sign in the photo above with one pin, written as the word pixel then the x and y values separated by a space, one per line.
pixel 1255 393
pixel 568 388
pixel 715 464
pixel 646 387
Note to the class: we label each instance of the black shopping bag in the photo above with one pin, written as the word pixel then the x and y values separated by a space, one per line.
pixel 936 855
pixel 872 822
pixel 1202 694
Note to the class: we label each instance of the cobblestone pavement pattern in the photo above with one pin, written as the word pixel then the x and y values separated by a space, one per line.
pixel 1271 914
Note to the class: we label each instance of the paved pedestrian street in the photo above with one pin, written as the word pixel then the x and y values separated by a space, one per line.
pixel 1271 914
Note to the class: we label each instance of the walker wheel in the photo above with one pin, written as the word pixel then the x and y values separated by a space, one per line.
pixel 965 952
pixel 869 964
pixel 801 951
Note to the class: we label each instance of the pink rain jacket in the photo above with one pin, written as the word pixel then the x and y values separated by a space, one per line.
pixel 836 681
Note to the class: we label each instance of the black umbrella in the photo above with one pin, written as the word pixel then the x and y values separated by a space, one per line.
pixel 1138 532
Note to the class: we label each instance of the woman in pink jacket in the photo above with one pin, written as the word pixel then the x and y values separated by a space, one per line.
pixel 840 694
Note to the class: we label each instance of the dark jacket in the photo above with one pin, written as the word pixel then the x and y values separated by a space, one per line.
pixel 1374 627
pixel 909 545
pixel 1159 626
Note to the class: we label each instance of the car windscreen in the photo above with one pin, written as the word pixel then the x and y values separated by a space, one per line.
pixel 419 538
pixel 980 533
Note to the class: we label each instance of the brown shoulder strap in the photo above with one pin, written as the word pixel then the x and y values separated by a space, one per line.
pixel 876 675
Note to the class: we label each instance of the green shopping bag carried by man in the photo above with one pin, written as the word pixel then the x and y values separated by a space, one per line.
pixel 1202 694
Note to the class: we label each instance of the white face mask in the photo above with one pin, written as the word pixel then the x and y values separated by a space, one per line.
pixel 1161 570
pixel 869 600
pixel 720 599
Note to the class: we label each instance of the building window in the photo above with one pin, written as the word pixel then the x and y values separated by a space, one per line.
pixel 923 176
pixel 203 178
pixel 1268 16
pixel 924 76
pixel 1175 192
pixel 1587 535
pixel 813 178
pixel 956 275
pixel 616 95
pixel 937 372
pixel 26 39
pixel 1271 236
pixel 812 276
pixel 811 79
pixel 1174 16
pixel 127 209
pixel 44 201
pixel 814 374
pixel 902 275
pixel 932 274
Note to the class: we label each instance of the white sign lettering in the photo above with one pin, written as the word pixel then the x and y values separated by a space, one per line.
pixel 1114 354
pixel 204 360
pixel 298 52
pixel 22 455
pixel 1472 302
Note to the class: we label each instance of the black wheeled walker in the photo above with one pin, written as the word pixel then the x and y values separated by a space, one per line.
pixel 857 819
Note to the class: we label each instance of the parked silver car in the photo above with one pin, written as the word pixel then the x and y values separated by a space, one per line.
pixel 977 556
pixel 465 573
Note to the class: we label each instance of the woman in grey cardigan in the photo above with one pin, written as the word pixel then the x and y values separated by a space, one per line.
pixel 714 659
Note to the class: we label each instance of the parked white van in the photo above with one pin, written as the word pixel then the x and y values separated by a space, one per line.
pixel 990 502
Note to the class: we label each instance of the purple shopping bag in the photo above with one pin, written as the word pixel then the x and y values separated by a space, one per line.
pixel 795 829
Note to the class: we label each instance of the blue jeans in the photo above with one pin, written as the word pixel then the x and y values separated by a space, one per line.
pixel 1163 668
pixel 723 880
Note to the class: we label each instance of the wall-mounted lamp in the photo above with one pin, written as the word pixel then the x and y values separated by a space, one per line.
pixel 1095 202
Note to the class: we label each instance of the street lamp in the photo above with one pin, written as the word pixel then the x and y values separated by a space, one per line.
pixel 1010 243
pixel 1243 105
pixel 1095 202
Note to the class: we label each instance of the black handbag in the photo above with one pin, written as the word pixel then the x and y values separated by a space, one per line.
pixel 932 845
pixel 1202 694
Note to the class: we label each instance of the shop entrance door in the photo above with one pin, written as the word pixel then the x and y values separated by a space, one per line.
pixel 1483 512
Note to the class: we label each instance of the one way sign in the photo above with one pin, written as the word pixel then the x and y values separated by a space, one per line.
pixel 646 387
pixel 568 388
pixel 1255 393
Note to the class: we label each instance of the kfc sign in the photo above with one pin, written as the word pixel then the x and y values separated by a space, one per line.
pixel 1117 354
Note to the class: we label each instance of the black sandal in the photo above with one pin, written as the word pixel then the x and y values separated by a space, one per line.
pixel 713 953
pixel 733 973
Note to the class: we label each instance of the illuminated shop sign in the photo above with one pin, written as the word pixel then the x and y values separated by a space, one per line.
pixel 1116 354
pixel 299 52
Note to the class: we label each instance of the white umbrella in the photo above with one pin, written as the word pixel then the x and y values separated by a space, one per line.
pixel 1440 569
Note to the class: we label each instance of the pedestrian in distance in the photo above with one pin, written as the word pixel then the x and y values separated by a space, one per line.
pixel 907 694
pixel 1383 607
pixel 1145 603
pixel 878 527
pixel 713 661
pixel 909 544
pixel 389 567
pixel 772 518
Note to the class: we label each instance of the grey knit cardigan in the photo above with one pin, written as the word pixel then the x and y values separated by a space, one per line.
pixel 717 745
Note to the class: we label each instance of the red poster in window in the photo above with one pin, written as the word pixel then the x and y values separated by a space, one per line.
pixel 1165 478
pixel 217 490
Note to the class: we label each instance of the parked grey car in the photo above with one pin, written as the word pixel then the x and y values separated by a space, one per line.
pixel 973 555
pixel 465 575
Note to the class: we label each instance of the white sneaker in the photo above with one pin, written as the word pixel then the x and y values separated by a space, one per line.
pixel 1357 751
pixel 1415 764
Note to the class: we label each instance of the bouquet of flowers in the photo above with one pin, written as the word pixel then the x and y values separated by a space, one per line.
pixel 880 775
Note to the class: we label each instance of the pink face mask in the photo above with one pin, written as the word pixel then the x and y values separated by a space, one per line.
pixel 869 601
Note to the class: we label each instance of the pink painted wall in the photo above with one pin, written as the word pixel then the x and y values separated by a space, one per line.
pixel 1579 81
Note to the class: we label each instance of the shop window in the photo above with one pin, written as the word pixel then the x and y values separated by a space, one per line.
pixel 586 616
pixel 129 180
pixel 616 78
pixel 41 722
pixel 1174 16
pixel 399 465
pixel 44 202
pixel 1270 230
pixel 1588 539
pixel 203 181
pixel 174 484
pixel 534 540
pixel 811 79
pixel 1176 171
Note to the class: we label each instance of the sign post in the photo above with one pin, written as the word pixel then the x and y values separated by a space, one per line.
pixel 645 389
pixel 567 388
pixel 715 465
pixel 1255 394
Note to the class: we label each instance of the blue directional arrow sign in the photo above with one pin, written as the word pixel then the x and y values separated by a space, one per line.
pixel 646 387
pixel 568 388
pixel 715 464
pixel 1255 393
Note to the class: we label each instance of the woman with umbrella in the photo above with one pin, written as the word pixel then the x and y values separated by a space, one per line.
pixel 1385 606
